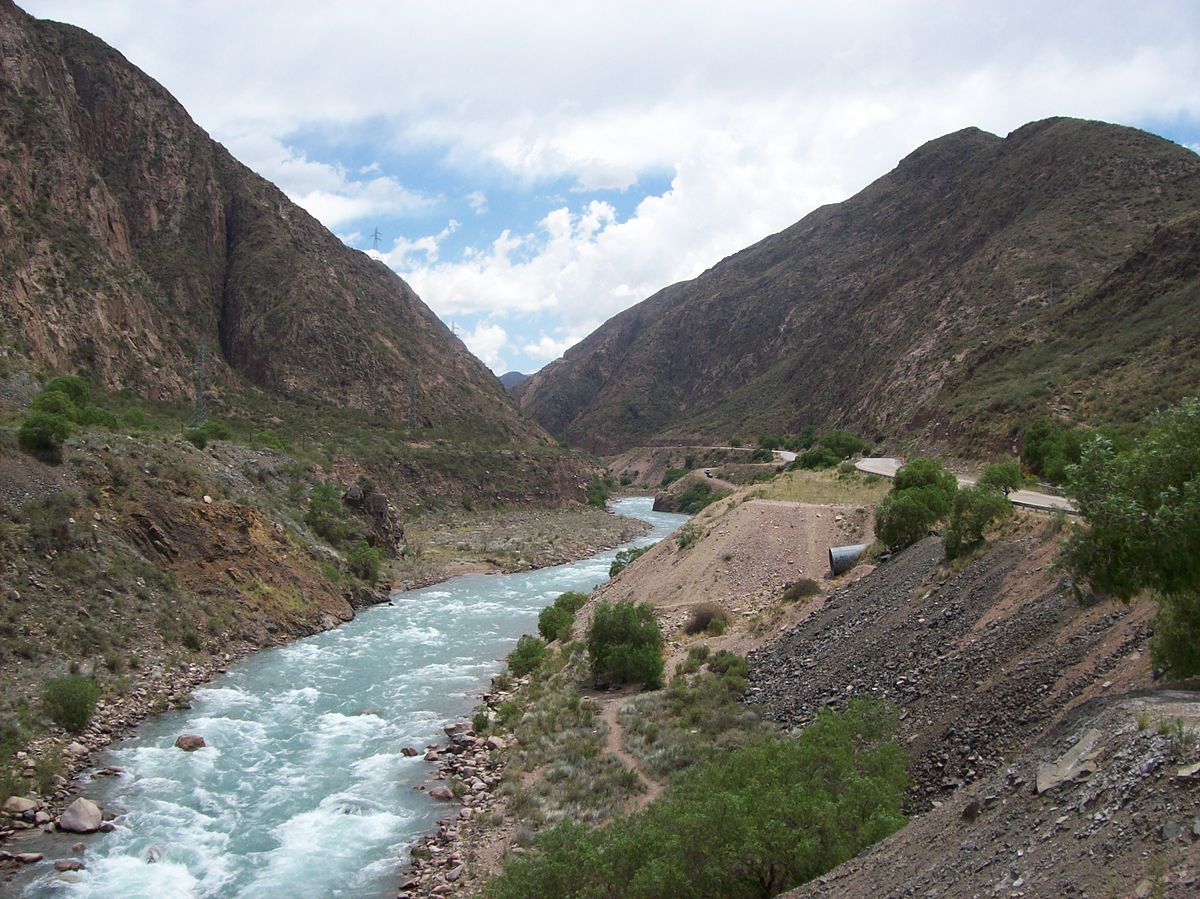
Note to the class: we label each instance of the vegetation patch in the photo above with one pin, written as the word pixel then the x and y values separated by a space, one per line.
pixel 625 558
pixel 69 701
pixel 624 645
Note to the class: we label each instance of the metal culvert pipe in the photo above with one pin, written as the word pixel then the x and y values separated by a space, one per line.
pixel 842 558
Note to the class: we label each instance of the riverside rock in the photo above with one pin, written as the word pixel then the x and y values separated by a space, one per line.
pixel 441 793
pixel 190 742
pixel 81 816
pixel 19 805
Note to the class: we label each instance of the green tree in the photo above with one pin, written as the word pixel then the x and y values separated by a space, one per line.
pixel 554 623
pixel 926 472
pixel 818 457
pixel 975 509
pixel 625 557
pixel 625 645
pixel 901 519
pixel 77 389
pixel 1002 476
pixel 1142 512
pixel 528 656
pixel 364 561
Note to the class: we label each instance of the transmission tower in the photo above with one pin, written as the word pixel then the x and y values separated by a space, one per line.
pixel 376 237
pixel 200 385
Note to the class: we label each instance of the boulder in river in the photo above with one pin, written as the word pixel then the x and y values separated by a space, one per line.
pixel 81 816
pixel 408 752
pixel 190 742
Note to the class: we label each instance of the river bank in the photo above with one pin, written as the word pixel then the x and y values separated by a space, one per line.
pixel 162 687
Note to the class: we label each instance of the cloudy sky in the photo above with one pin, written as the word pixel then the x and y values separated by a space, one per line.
pixel 533 168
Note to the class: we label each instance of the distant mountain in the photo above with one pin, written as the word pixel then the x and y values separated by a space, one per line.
pixel 129 238
pixel 511 379
pixel 981 283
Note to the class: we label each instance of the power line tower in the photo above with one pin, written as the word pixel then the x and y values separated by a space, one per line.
pixel 199 387
pixel 376 237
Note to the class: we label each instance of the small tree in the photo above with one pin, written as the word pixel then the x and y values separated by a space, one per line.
pixel 528 656
pixel 1142 508
pixel 901 519
pixel 70 701
pixel 975 509
pixel 625 645
pixel 554 623
pixel 1003 476
pixel 363 560
pixel 842 443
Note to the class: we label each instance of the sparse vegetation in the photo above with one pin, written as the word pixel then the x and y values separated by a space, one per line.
pixel 717 833
pixel 599 489
pixel 801 589
pixel 688 535
pixel 625 558
pixel 707 617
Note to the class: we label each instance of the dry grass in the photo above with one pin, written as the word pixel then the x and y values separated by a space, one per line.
pixel 826 487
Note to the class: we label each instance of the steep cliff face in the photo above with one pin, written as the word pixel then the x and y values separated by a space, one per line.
pixel 128 237
pixel 936 301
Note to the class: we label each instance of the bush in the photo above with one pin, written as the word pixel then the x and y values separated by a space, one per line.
pixel 55 403
pixel 688 536
pixel 703 617
pixel 842 443
pixel 328 518
pixel 42 434
pixel 801 589
pixel 1003 476
pixel 625 558
pixel 1142 509
pixel 74 388
pixel 572 601
pixel 210 430
pixel 363 560
pixel 70 701
pixel 901 519
pixel 818 457
pixel 671 476
pixel 1048 450
pixel 528 656
pixel 754 822
pixel 698 497
pixel 599 489
pixel 555 623
pixel 926 472
pixel 625 645
pixel 975 509
pixel 726 662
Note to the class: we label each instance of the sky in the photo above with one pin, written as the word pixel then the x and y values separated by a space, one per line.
pixel 534 168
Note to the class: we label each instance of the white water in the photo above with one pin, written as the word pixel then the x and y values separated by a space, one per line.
pixel 303 790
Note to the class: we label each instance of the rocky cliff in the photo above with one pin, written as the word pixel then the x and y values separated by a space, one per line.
pixel 981 283
pixel 128 238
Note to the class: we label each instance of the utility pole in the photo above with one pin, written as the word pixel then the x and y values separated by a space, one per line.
pixel 199 386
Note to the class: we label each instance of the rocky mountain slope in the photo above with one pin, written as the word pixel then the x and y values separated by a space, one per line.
pixel 981 283
pixel 130 238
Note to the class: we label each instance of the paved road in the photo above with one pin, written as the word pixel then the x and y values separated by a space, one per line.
pixel 1030 499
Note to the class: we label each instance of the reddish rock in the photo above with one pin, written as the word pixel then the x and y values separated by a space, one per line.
pixel 190 742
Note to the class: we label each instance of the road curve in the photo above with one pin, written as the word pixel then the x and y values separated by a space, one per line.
pixel 1029 499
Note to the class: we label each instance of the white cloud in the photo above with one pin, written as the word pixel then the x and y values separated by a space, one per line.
pixel 478 202
pixel 546 348
pixel 486 341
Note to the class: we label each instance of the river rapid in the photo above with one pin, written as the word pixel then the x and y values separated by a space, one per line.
pixel 303 790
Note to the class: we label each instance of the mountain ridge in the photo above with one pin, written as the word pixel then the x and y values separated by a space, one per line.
pixel 870 312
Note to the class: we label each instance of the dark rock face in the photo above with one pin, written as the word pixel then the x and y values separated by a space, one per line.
pixel 387 532
pixel 130 237
pixel 950 296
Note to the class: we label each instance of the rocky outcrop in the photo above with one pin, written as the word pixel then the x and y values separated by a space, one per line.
pixel 947 298
pixel 386 531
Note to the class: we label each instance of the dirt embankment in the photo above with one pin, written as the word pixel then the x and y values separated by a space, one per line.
pixel 744 556
pixel 646 465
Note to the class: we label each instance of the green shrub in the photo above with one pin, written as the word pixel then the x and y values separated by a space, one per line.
pixel 770 442
pixel 90 416
pixel 926 472
pixel 211 430
pixel 599 489
pixel 55 403
pixel 328 517
pixel 842 443
pixel 70 701
pixel 901 520
pixel 1141 506
pixel 480 722
pixel 1003 476
pixel 364 560
pixel 725 662
pixel 76 389
pixel 572 601
pixel 754 822
pixel 698 497
pixel 555 623
pixel 626 557
pixel 1048 450
pixel 703 616
pixel 817 458
pixel 671 476
pixel 528 656
pixel 42 434
pixel 688 536
pixel 625 645
pixel 975 509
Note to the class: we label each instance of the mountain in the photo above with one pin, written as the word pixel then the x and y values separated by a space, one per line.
pixel 511 379
pixel 130 239
pixel 981 283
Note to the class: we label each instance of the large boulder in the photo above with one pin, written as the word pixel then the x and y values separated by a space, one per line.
pixel 190 742
pixel 81 816
pixel 19 805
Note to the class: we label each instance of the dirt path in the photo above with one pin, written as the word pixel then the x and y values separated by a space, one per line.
pixel 614 743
